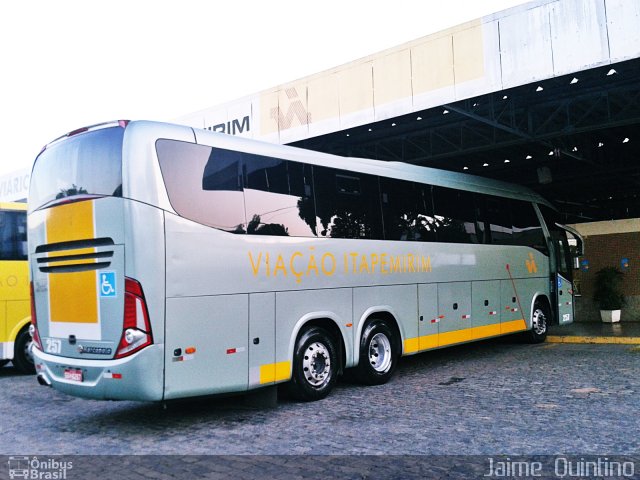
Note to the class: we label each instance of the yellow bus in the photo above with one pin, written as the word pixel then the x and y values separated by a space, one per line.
pixel 15 314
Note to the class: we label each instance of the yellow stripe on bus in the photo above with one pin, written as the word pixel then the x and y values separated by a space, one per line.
pixel 275 372
pixel 513 326
pixel 412 345
pixel 72 295
pixel 428 342
pixel 457 336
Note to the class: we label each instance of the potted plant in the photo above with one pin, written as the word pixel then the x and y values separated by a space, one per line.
pixel 608 293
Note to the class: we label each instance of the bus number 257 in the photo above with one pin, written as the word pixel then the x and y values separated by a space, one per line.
pixel 53 345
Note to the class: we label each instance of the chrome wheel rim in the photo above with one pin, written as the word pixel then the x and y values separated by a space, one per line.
pixel 539 321
pixel 316 364
pixel 380 353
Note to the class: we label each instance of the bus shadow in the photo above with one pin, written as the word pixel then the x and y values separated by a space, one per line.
pixel 10 371
pixel 182 415
pixel 234 410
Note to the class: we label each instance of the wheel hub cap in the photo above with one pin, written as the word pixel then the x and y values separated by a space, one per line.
pixel 380 352
pixel 316 364
pixel 539 322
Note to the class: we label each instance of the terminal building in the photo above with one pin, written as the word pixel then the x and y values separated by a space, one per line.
pixel 545 94
pixel 14 186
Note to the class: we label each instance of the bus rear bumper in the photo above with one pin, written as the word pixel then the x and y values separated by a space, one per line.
pixel 138 377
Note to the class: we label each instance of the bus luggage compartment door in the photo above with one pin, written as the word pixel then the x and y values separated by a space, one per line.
pixel 206 345
pixel 454 310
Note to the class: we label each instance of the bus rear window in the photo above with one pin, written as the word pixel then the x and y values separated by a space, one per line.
pixel 87 164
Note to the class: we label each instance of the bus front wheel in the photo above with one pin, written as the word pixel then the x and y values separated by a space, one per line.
pixel 315 365
pixel 22 358
pixel 378 354
pixel 540 318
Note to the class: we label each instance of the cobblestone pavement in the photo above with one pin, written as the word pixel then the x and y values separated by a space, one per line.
pixel 490 398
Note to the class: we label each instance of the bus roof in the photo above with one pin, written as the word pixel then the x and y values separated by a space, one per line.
pixel 398 170
pixel 390 169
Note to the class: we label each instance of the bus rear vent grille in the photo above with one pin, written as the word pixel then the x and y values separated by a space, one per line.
pixel 75 256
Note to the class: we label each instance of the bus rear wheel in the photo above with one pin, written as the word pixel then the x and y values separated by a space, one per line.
pixel 315 365
pixel 540 318
pixel 378 354
pixel 22 358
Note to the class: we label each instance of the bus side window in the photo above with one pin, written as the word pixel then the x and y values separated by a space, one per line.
pixel 278 197
pixel 497 216
pixel 406 213
pixel 21 235
pixel 203 183
pixel 13 235
pixel 527 230
pixel 5 236
pixel 347 204
pixel 455 214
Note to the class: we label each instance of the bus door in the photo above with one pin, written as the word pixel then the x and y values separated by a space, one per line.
pixel 563 292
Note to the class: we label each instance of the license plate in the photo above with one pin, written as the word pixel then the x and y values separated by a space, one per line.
pixel 73 374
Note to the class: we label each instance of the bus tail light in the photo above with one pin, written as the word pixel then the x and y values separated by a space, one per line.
pixel 33 328
pixel 136 328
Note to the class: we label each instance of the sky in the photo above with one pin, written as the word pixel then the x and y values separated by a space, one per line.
pixel 72 63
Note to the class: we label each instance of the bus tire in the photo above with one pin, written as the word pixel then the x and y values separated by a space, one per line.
pixel 315 365
pixel 540 318
pixel 22 359
pixel 378 354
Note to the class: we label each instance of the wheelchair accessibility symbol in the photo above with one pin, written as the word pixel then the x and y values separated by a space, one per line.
pixel 107 284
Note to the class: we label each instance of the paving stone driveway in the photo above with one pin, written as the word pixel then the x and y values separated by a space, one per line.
pixel 489 398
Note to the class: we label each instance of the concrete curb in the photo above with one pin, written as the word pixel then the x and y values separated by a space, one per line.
pixel 583 339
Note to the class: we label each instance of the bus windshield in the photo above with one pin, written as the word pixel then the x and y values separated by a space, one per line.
pixel 13 235
pixel 87 164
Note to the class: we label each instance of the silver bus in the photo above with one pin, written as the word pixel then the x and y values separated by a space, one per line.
pixel 170 262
